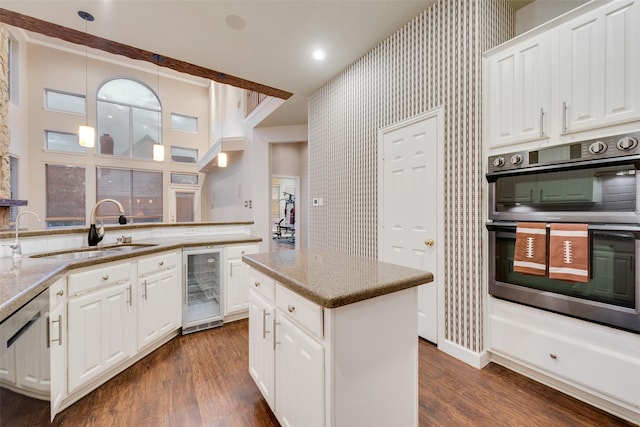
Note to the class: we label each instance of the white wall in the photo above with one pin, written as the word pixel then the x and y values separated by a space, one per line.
pixel 541 11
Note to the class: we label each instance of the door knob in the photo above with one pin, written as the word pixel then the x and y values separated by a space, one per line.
pixel 429 242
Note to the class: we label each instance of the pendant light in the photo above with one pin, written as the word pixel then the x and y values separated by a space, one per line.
pixel 86 133
pixel 158 148
pixel 222 159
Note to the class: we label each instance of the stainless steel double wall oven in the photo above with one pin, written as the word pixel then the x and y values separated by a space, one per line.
pixel 594 182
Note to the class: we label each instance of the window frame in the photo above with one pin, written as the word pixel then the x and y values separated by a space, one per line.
pixel 64 93
pixel 195 159
pixel 78 149
pixel 79 221
pixel 185 116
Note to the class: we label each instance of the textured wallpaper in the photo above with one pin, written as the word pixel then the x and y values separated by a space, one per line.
pixel 434 60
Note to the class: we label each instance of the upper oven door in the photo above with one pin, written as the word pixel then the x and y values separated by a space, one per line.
pixel 601 192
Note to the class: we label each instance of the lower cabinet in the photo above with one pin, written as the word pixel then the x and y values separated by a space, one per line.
pixel 593 362
pixel 101 327
pixel 299 376
pixel 236 294
pixel 322 367
pixel 159 296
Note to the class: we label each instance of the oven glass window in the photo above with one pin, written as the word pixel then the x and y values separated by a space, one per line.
pixel 610 188
pixel 613 268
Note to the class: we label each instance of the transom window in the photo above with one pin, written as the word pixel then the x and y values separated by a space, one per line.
pixel 129 119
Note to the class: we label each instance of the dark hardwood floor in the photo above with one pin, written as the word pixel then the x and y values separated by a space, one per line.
pixel 202 380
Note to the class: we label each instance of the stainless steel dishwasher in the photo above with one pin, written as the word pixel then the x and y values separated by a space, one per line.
pixel 202 289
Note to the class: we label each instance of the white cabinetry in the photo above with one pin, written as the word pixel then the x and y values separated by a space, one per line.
pixel 317 366
pixel 592 362
pixel 261 338
pixel 520 92
pixel 101 321
pixel 159 296
pixel 236 292
pixel 598 66
pixel 58 343
pixel 577 74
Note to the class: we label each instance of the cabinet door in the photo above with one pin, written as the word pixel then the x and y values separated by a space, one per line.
pixel 598 82
pixel 519 92
pixel 261 345
pixel 159 306
pixel 58 356
pixel 237 289
pixel 299 376
pixel 101 332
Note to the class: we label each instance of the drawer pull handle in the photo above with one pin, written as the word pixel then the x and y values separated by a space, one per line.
pixel 264 323
pixel 105 277
pixel 59 322
pixel 291 308
pixel 60 293
pixel 257 284
pixel 161 263
pixel 553 356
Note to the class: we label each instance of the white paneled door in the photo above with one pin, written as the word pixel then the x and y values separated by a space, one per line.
pixel 409 207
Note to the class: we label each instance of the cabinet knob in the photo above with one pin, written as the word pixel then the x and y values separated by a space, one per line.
pixel 105 277
pixel 553 356
pixel 161 263
pixel 257 284
pixel 429 242
pixel 291 308
pixel 60 293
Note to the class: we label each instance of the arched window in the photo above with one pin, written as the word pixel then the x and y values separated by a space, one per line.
pixel 129 119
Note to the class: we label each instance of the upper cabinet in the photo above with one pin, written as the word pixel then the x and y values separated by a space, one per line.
pixel 598 68
pixel 519 92
pixel 578 73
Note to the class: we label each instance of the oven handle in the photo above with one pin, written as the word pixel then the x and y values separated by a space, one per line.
pixel 583 164
pixel 496 226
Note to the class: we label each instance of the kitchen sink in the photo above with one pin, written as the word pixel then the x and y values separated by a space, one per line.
pixel 93 252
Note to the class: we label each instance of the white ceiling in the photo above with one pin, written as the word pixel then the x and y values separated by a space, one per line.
pixel 274 47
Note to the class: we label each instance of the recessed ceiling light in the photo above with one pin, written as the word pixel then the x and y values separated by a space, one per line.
pixel 235 22
pixel 319 54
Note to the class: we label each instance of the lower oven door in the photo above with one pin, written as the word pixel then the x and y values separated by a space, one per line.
pixel 611 296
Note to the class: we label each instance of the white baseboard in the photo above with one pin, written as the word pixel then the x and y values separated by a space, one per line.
pixel 477 360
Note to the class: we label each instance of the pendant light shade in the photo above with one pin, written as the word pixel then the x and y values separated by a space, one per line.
pixel 86 133
pixel 222 160
pixel 158 152
pixel 87 136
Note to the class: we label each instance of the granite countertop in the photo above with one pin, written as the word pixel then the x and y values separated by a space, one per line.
pixel 333 279
pixel 21 279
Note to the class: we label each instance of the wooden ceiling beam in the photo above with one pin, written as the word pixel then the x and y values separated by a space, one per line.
pixel 78 37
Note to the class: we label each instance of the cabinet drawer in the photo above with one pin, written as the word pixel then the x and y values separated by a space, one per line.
pixel 238 251
pixel 57 293
pixel 262 284
pixel 110 274
pixel 155 263
pixel 587 364
pixel 304 312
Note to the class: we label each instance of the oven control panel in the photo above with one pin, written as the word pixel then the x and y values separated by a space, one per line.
pixel 607 147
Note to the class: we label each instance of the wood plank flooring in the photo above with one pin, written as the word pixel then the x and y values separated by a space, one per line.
pixel 202 380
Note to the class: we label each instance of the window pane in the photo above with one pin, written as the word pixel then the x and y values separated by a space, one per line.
pixel 184 206
pixel 184 178
pixel 145 132
pixel 64 102
pixel 186 123
pixel 139 192
pixel 13 71
pixel 185 155
pixel 65 195
pixel 60 141
pixel 129 92
pixel 113 120
pixel 13 172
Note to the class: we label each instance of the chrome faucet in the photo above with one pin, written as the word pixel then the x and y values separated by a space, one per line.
pixel 96 235
pixel 15 246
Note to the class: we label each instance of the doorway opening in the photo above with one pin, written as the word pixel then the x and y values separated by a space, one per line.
pixel 284 194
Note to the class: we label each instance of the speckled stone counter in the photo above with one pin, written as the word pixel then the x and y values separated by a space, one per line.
pixel 24 278
pixel 333 279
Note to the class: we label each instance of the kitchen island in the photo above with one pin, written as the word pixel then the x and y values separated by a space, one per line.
pixel 333 338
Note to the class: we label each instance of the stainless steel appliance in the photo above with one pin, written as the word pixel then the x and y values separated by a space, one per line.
pixel 202 289
pixel 593 182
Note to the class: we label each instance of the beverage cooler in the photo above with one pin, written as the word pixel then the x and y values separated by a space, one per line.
pixel 202 289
